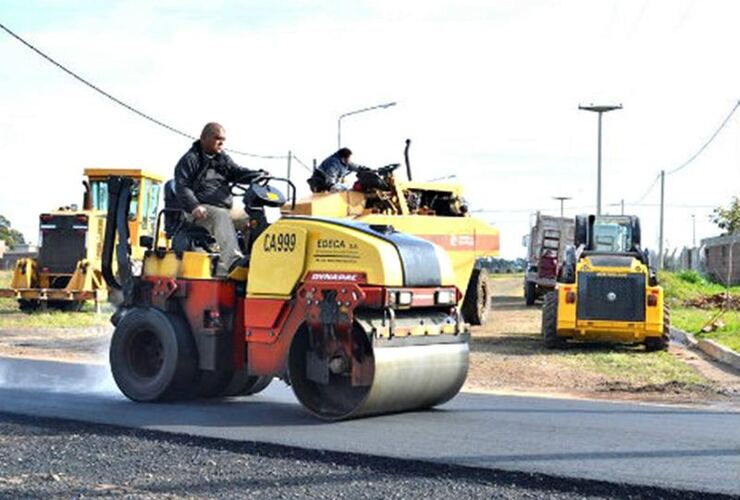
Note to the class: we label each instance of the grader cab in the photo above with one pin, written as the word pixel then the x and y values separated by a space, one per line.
pixel 607 289
pixel 67 271
pixel 434 211
pixel 359 319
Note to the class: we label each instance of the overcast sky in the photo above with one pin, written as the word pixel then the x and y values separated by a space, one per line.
pixel 487 91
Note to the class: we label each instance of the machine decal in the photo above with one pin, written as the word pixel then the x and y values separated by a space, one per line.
pixel 279 242
pixel 324 276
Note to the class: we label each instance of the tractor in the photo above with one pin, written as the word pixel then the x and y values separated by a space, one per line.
pixel 358 318
pixel 607 288
pixel 434 211
pixel 67 272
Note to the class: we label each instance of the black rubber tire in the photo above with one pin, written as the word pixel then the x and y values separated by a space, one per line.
pixel 530 292
pixel 153 356
pixel 213 383
pixel 661 343
pixel 28 305
pixel 477 298
pixel 550 322
pixel 66 305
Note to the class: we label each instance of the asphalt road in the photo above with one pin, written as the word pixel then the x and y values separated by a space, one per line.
pixel 694 449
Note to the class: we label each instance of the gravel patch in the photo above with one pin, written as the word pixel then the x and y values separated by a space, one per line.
pixel 52 458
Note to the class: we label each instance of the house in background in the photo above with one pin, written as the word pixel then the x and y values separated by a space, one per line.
pixel 723 257
pixel 8 258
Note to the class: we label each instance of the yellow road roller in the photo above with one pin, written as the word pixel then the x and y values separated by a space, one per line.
pixel 359 319
pixel 434 211
pixel 607 288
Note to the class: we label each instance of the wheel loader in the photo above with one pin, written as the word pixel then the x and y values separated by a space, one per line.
pixel 434 211
pixel 607 289
pixel 67 272
pixel 358 318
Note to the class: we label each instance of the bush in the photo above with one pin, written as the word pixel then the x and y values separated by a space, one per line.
pixel 690 277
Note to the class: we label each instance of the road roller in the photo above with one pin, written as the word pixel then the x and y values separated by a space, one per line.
pixel 358 319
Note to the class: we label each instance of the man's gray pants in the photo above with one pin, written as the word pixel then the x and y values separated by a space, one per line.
pixel 220 224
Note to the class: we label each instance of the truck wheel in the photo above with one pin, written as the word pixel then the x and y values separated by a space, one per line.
pixel 550 322
pixel 153 356
pixel 477 298
pixel 530 292
pixel 661 343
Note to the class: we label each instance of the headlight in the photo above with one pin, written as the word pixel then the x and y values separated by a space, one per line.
pixel 445 297
pixel 404 298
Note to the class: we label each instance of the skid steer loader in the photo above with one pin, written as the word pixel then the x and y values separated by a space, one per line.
pixel 359 319
pixel 67 272
pixel 607 289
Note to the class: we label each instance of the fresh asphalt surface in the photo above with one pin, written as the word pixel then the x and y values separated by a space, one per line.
pixel 686 448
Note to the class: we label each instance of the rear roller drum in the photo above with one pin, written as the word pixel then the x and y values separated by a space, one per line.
pixel 394 378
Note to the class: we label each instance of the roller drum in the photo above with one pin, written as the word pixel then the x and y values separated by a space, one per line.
pixel 406 377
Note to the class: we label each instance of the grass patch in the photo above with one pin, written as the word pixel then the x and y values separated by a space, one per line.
pixel 688 285
pixel 691 320
pixel 634 366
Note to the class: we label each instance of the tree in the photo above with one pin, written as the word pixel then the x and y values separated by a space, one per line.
pixel 728 219
pixel 10 236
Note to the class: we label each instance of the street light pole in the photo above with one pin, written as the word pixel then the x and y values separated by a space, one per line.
pixel 562 202
pixel 357 111
pixel 600 110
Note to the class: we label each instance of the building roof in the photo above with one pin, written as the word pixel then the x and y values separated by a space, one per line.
pixel 721 240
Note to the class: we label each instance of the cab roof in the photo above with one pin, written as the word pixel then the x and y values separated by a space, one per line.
pixel 136 173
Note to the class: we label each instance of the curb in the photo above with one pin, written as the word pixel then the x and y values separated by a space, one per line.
pixel 709 347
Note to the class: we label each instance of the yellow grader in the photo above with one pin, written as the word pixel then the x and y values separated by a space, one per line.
pixel 67 271
pixel 607 289
pixel 434 211
pixel 358 318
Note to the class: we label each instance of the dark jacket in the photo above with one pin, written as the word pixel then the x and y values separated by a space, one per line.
pixel 331 172
pixel 202 180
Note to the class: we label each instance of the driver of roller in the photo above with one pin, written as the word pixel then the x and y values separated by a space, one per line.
pixel 203 178
pixel 330 174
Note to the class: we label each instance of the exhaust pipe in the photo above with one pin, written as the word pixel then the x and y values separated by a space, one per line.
pixel 406 158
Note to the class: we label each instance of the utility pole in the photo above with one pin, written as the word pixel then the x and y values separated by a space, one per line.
pixel 693 231
pixel 562 202
pixel 600 110
pixel 662 213
pixel 622 206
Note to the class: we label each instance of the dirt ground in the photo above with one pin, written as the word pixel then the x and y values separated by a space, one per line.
pixel 507 356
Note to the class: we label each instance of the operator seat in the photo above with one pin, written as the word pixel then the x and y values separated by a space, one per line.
pixel 185 235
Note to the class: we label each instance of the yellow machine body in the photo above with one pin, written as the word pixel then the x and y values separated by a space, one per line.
pixel 572 325
pixel 466 239
pixel 67 271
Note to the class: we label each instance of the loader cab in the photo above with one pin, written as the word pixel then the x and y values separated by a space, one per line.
pixel 612 234
pixel 144 206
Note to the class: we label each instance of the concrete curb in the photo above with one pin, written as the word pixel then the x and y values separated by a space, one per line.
pixel 709 347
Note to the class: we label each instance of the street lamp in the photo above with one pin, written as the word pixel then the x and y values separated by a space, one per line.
pixel 562 202
pixel 339 121
pixel 600 110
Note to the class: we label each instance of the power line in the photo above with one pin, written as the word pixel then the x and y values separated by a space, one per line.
pixel 701 149
pixel 302 164
pixel 121 103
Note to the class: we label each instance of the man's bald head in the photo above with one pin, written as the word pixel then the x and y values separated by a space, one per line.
pixel 212 138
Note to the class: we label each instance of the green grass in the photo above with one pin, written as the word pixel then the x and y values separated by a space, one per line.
pixel 691 319
pixel 687 285
pixel 634 366
pixel 12 318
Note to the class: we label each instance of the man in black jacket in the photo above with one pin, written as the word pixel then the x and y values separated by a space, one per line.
pixel 202 184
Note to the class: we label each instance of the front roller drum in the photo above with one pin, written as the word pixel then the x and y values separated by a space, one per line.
pixel 402 378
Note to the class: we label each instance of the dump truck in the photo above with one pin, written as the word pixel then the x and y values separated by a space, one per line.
pixel 359 319
pixel 608 288
pixel 434 211
pixel 545 249
pixel 67 271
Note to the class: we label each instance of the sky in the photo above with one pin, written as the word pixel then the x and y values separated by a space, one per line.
pixel 488 91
